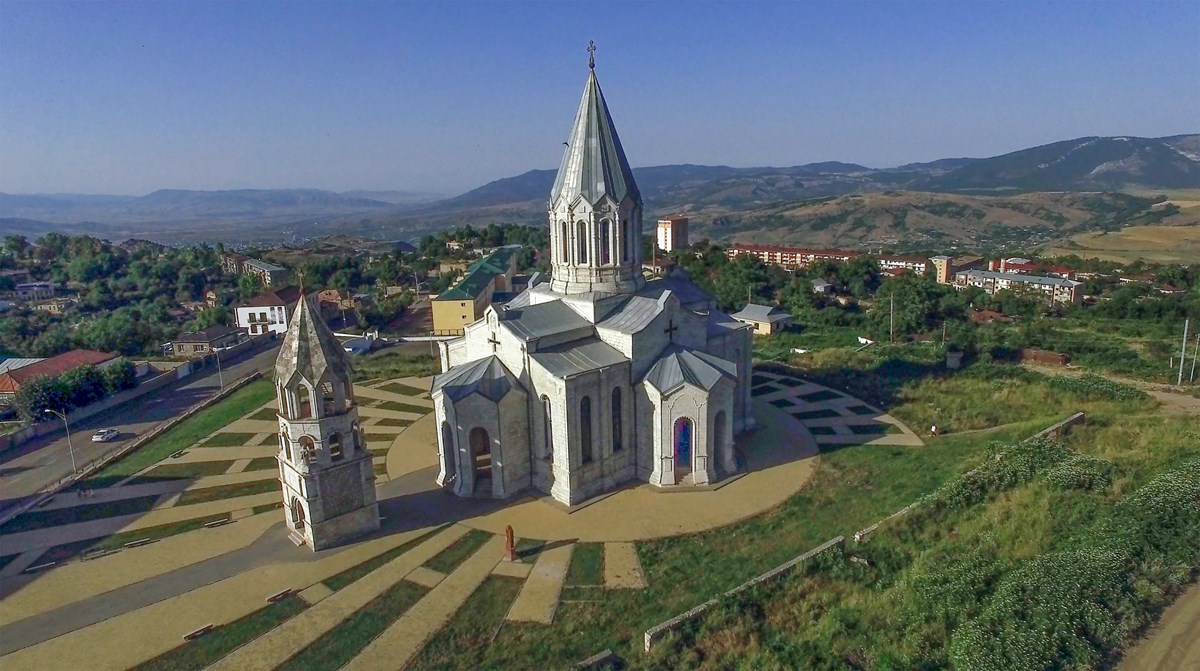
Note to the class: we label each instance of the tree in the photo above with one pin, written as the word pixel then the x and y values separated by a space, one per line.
pixel 38 395
pixel 119 376
pixel 84 385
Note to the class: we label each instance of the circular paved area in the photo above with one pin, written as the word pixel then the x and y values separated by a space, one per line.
pixel 780 455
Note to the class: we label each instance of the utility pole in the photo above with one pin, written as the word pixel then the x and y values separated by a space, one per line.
pixel 1195 353
pixel 1183 351
pixel 892 320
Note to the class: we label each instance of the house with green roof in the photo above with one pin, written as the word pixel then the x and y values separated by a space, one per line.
pixel 465 302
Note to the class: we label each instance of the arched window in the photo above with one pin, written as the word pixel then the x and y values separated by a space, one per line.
pixel 605 242
pixel 306 405
pixel 581 237
pixel 281 401
pixel 285 445
pixel 585 429
pixel 308 450
pixel 683 444
pixel 547 429
pixel 481 452
pixel 564 246
pixel 616 420
pixel 625 240
pixel 297 514
pixel 335 447
pixel 356 438
pixel 327 405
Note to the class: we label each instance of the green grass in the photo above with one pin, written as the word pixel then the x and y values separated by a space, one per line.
pixel 266 508
pixel 403 389
pixel 821 430
pixel 61 553
pixel 186 433
pixel 587 565
pixel 379 469
pixel 355 572
pixel 228 440
pixel 397 406
pixel 528 548
pixel 262 464
pixel 820 395
pixel 202 652
pixel 380 439
pixel 393 421
pixel 339 645
pixel 7 559
pixel 447 560
pixel 182 471
pixel 816 414
pixel 378 451
pixel 392 363
pixel 227 491
pixel 461 644
pixel 42 519
pixel 265 415
pixel 872 429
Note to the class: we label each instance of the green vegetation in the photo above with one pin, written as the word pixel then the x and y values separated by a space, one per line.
pixel 227 491
pixel 185 434
pixel 404 407
pixel 266 508
pixel 187 470
pixel 587 565
pixel 227 440
pixel 464 641
pixel 340 644
pixel 403 389
pixel 76 388
pixel 204 651
pixel 61 553
pixel 7 559
pixel 387 364
pixel 41 519
pixel 393 421
pixel 262 464
pixel 265 415
pixel 355 572
pixel 447 560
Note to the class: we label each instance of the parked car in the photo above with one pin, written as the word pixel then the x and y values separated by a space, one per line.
pixel 105 435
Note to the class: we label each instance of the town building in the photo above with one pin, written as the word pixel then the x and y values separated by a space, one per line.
pixel 13 379
pixel 766 319
pixel 672 233
pixel 200 343
pixel 465 302
pixel 325 468
pixel 35 291
pixel 791 258
pixel 1027 267
pixel 945 267
pixel 268 312
pixel 1059 290
pixel 599 376
pixel 894 262
pixel 55 306
pixel 268 273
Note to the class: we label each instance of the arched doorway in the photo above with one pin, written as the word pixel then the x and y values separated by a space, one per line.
pixel 481 454
pixel 684 441
pixel 297 515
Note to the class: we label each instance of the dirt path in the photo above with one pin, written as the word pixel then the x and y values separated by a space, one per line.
pixel 1173 402
pixel 1174 643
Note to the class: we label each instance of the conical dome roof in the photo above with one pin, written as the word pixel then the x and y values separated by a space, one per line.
pixel 310 349
pixel 594 163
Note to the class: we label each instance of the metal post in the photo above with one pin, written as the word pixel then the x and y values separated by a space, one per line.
pixel 220 373
pixel 1195 353
pixel 1183 352
pixel 70 445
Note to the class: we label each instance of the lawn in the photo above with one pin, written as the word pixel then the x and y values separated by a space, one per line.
pixel 355 572
pixel 262 464
pixel 393 421
pixel 403 389
pixel 587 565
pixel 227 491
pixel 393 363
pixel 265 415
pixel 397 406
pixel 42 519
pixel 186 470
pixel 61 553
pixel 186 433
pixel 447 560
pixel 228 440
pixel 463 642
pixel 202 652
pixel 380 439
pixel 340 644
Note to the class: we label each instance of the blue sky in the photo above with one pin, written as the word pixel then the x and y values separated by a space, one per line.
pixel 103 97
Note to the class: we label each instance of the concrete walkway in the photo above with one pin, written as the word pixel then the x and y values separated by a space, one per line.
pixel 379 394
pixel 278 645
pixel 622 569
pixel 397 645
pixel 538 599
pixel 221 454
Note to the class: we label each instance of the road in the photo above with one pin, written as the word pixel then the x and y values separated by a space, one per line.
pixel 42 461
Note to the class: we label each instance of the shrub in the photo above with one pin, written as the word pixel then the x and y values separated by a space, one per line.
pixel 1081 472
pixel 1092 386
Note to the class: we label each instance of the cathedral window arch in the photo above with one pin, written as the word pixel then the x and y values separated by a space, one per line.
pixel 617 432
pixel 335 447
pixel 308 449
pixel 547 428
pixel 605 242
pixel 585 429
pixel 306 403
pixel 581 237
pixel 625 240
pixel 328 407
pixel 564 245
pixel 285 445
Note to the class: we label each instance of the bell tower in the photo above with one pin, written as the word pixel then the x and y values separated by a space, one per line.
pixel 325 469
pixel 595 207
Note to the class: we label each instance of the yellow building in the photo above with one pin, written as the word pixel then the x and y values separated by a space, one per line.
pixel 465 302
pixel 766 319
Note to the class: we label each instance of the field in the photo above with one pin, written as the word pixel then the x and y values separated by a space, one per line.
pixel 1164 244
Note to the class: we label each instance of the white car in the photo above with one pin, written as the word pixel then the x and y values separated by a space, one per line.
pixel 105 435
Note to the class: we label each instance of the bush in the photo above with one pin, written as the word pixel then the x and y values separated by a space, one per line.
pixel 1081 472
pixel 1094 386
pixel 1006 467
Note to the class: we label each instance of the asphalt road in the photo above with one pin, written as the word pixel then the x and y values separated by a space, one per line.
pixel 42 461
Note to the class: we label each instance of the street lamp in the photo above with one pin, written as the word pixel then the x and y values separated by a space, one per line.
pixel 220 374
pixel 70 446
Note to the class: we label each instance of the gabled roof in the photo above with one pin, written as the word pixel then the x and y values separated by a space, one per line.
pixel 636 314
pixel 479 274
pixel 209 334
pixel 678 366
pixel 719 322
pixel 762 313
pixel 310 349
pixel 543 319
pixel 486 376
pixel 275 297
pixel 593 164
pixel 12 380
pixel 578 357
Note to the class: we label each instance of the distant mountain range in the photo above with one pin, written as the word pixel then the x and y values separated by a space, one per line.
pixel 706 192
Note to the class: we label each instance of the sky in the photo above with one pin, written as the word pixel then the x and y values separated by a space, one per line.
pixel 126 98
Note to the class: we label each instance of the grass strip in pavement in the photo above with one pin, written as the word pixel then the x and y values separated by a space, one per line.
pixel 380 439
pixel 355 572
pixel 182 471
pixel 61 553
pixel 460 643
pixel 265 415
pixel 262 464
pixel 7 559
pixel 202 652
pixel 227 491
pixel 339 645
pixel 393 421
pixel 587 565
pixel 820 395
pixel 447 560
pixel 397 406
pixel 528 548
pixel 185 434
pixel 403 389
pixel 231 439
pixel 821 413
pixel 41 519
pixel 266 508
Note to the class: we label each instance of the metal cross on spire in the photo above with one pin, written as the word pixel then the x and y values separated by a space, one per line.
pixel 591 54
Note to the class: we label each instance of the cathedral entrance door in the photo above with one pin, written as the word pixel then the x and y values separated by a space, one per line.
pixel 297 514
pixel 683 447
pixel 481 453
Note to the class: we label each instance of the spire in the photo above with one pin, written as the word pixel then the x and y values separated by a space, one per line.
pixel 594 163
pixel 310 349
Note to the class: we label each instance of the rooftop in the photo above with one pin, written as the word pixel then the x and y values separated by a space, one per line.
pixel 762 313
pixel 543 319
pixel 593 163
pixel 52 367
pixel 578 357
pixel 208 335
pixel 480 273
pixel 678 366
pixel 1017 277
pixel 275 297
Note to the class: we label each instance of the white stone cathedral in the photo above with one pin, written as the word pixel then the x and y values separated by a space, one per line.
pixel 598 376
pixel 324 466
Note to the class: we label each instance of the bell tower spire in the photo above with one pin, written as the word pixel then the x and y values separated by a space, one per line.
pixel 595 207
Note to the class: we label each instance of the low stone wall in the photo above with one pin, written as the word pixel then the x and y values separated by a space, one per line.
pixel 1056 430
pixel 597 661
pixel 135 444
pixel 655 633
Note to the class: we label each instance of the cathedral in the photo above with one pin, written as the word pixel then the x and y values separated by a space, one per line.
pixel 598 376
